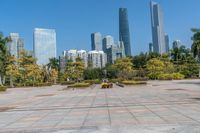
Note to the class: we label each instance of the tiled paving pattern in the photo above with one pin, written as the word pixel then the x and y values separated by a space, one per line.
pixel 159 106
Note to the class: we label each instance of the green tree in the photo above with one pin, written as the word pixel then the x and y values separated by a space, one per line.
pixel 196 44
pixel 3 57
pixel 123 64
pixel 53 64
pixel 74 71
pixel 155 67
pixel 93 73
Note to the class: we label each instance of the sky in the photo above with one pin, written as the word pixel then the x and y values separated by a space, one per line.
pixel 75 20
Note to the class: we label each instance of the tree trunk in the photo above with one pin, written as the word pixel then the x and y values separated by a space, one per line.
pixel 11 82
pixel 1 81
pixel 199 73
pixel 4 80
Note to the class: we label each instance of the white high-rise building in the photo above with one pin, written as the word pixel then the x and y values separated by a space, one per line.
pixel 72 55
pixel 97 59
pixel 16 45
pixel 44 45
pixel 82 54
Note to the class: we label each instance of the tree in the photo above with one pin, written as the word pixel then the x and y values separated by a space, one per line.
pixel 3 57
pixel 29 69
pixel 155 67
pixel 53 64
pixel 74 70
pixel 93 73
pixel 54 75
pixel 196 44
pixel 123 64
pixel 12 70
pixel 140 60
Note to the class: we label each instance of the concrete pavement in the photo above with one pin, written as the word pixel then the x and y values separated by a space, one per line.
pixel 158 107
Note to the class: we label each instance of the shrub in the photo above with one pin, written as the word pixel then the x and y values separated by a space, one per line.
pixel 79 85
pixel 132 82
pixel 67 82
pixel 3 88
pixel 165 76
pixel 30 83
pixel 176 76
pixel 140 78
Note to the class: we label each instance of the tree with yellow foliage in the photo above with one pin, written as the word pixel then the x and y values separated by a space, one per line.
pixel 12 70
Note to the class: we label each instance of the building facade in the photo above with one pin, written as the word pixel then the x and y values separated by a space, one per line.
pixel 96 59
pixel 112 50
pixel 176 44
pixel 44 45
pixel 16 45
pixel 96 41
pixel 158 34
pixel 124 33
pixel 107 42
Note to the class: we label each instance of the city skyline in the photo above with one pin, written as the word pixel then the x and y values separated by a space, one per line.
pixel 139 22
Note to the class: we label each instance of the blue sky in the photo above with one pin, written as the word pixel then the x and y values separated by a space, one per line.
pixel 75 20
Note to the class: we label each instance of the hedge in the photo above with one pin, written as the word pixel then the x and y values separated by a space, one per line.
pixel 133 82
pixel 79 85
pixel 67 82
pixel 3 88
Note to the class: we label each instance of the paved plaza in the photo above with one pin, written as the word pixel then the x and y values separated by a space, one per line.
pixel 158 107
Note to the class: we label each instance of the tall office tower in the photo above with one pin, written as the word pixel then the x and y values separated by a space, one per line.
pixel 97 59
pixel 158 34
pixel 167 43
pixel 177 44
pixel 44 45
pixel 82 54
pixel 108 41
pixel 96 41
pixel 16 45
pixel 150 48
pixel 20 47
pixel 124 34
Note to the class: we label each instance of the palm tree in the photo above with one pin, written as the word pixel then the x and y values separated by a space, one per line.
pixel 3 57
pixel 53 64
pixel 196 44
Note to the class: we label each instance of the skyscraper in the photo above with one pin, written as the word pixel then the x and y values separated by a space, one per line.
pixel 44 45
pixel 108 41
pixel 16 45
pixel 158 34
pixel 124 34
pixel 96 41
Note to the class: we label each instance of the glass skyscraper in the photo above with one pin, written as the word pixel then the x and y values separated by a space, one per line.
pixel 16 45
pixel 44 45
pixel 158 35
pixel 124 34
pixel 96 41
